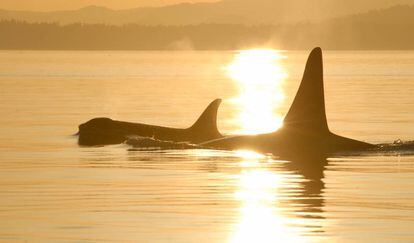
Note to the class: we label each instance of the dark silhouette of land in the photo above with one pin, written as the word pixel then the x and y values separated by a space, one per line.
pixel 220 12
pixel 388 29
pixel 104 131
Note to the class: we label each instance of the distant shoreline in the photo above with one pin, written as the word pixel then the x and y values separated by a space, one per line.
pixel 364 32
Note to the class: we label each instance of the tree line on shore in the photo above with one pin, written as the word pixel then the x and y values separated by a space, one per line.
pixel 341 34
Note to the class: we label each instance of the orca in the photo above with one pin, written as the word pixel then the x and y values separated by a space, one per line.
pixel 305 129
pixel 105 131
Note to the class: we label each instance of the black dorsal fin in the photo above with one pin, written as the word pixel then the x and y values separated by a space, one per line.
pixel 207 122
pixel 307 112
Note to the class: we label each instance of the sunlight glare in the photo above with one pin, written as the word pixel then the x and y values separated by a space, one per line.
pixel 259 76
pixel 261 219
pixel 247 154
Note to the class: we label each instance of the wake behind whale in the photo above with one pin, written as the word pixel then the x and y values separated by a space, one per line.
pixel 138 143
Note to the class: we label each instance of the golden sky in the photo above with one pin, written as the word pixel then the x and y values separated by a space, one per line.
pixel 46 5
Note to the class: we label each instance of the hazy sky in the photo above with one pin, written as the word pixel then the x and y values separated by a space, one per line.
pixel 46 5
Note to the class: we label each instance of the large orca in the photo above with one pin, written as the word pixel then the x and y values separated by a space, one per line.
pixel 305 129
pixel 105 131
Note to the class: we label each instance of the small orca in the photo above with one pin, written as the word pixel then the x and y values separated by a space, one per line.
pixel 305 129
pixel 105 131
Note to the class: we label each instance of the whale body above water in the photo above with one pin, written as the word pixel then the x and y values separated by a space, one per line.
pixel 305 128
pixel 105 131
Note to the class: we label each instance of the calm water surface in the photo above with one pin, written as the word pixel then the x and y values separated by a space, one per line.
pixel 53 190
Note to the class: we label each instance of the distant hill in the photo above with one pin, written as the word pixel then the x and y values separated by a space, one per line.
pixel 390 29
pixel 222 12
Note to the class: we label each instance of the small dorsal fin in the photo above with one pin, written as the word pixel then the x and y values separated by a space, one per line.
pixel 307 112
pixel 207 122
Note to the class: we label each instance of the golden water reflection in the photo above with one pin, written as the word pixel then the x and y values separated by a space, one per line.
pixel 259 75
pixel 260 216
pixel 280 201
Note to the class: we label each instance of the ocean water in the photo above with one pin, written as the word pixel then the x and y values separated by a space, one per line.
pixel 53 190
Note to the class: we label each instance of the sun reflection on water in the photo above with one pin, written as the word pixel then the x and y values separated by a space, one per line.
pixel 259 76
pixel 260 216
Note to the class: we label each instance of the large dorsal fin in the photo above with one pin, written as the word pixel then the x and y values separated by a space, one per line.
pixel 307 112
pixel 207 122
